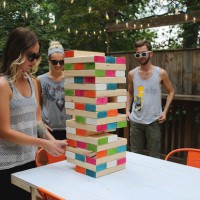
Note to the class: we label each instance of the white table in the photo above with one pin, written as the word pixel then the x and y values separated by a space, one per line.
pixel 145 178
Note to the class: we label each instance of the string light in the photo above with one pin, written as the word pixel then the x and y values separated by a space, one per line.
pixel 100 32
pixel 4 4
pixel 68 29
pixel 134 26
pixel 176 9
pixel 26 14
pixel 107 16
pixel 72 1
pixel 90 9
pixel 94 32
pixel 141 26
pixel 186 17
pixel 126 24
pixel 42 22
pixel 76 32
pixel 86 32
pixel 55 27
pixel 148 25
pixel 117 21
pixel 194 19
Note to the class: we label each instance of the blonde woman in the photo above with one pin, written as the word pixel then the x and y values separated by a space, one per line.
pixel 52 92
pixel 20 116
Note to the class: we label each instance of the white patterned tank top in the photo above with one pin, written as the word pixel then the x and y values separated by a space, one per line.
pixel 22 119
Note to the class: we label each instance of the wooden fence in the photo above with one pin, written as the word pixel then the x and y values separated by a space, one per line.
pixel 182 127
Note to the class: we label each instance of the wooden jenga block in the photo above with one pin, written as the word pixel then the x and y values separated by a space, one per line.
pixel 78 53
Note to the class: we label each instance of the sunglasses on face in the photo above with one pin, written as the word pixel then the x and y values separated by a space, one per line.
pixel 141 54
pixel 55 62
pixel 33 56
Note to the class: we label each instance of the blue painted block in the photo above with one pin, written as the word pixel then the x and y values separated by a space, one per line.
pixel 121 149
pixel 102 114
pixel 78 79
pixel 80 157
pixel 101 167
pixel 90 107
pixel 110 59
pixel 111 126
pixel 111 86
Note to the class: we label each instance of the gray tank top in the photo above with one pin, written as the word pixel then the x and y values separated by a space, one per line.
pixel 23 119
pixel 146 106
pixel 53 102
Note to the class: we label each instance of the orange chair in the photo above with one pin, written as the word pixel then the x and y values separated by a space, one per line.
pixel 46 195
pixel 44 158
pixel 193 156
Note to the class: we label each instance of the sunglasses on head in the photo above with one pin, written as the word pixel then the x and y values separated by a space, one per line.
pixel 141 54
pixel 33 56
pixel 55 62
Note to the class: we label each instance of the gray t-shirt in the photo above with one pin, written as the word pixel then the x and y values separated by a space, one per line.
pixel 23 119
pixel 146 106
pixel 53 102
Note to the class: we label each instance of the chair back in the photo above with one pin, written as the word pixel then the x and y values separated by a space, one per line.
pixel 46 195
pixel 44 158
pixel 193 156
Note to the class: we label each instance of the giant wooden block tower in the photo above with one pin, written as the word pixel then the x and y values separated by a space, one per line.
pixel 93 98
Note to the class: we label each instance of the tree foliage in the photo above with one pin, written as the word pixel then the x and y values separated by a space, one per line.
pixel 81 24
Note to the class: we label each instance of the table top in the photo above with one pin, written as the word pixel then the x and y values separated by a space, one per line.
pixel 144 178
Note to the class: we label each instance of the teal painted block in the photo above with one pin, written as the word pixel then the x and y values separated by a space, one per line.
pixel 110 59
pixel 79 79
pixel 121 149
pixel 101 167
pixel 112 151
pixel 89 65
pixel 111 86
pixel 101 114
pixel 91 173
pixel 80 157
pixel 90 107
pixel 69 92
pixel 112 126
pixel 68 66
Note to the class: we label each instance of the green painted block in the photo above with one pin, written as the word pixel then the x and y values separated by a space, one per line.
pixel 69 92
pixel 100 73
pixel 103 141
pixel 69 66
pixel 80 119
pixel 89 65
pixel 92 147
pixel 121 124
pixel 112 151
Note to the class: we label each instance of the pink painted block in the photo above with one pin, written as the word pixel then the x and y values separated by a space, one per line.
pixel 121 161
pixel 102 127
pixel 110 73
pixel 102 100
pixel 91 160
pixel 79 93
pixel 99 59
pixel 120 60
pixel 89 79
pixel 81 145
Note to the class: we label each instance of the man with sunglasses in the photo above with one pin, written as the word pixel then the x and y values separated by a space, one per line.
pixel 52 92
pixel 144 98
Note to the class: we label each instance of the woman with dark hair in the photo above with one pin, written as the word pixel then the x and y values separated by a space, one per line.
pixel 20 115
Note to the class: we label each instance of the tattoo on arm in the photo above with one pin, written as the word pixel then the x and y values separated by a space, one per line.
pixel 41 129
